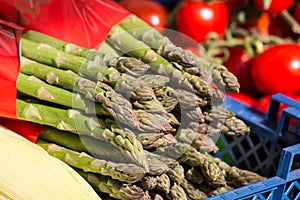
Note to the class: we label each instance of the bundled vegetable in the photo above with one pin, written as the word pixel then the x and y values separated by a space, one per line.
pixel 136 118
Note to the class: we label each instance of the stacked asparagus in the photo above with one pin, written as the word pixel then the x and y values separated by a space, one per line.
pixel 137 118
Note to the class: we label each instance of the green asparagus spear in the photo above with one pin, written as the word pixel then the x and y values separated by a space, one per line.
pixel 185 153
pixel 114 188
pixel 211 191
pixel 155 140
pixel 156 167
pixel 200 141
pixel 98 148
pixel 163 183
pixel 225 121
pixel 235 176
pixel 192 64
pixel 176 174
pixel 129 173
pixel 191 191
pixel 32 86
pixel 74 121
pixel 177 193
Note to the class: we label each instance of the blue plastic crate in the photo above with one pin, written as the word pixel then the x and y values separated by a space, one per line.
pixel 271 149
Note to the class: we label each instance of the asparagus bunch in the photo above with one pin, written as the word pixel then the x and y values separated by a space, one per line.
pixel 165 103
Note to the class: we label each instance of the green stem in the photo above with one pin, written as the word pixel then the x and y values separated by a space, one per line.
pixel 74 121
pixel 129 173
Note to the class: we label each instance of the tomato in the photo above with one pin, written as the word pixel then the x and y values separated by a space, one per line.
pixel 151 12
pixel 277 69
pixel 296 12
pixel 198 18
pixel 243 98
pixel 239 63
pixel 275 7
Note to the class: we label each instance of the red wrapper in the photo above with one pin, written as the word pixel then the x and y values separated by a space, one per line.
pixel 28 130
pixel 9 67
pixel 82 22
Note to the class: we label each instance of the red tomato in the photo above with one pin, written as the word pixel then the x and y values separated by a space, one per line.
pixel 197 18
pixel 277 70
pixel 275 7
pixel 244 98
pixel 239 63
pixel 296 12
pixel 151 12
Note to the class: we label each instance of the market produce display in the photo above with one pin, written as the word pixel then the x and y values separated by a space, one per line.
pixel 136 118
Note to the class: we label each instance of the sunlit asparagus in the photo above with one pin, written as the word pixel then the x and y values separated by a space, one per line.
pixel 129 173
pixel 76 122
pixel 112 187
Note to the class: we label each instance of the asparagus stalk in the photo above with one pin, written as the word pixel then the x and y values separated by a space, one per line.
pixel 191 191
pixel 225 121
pixel 235 176
pixel 185 153
pixel 155 140
pixel 32 86
pixel 176 174
pixel 98 148
pixel 155 122
pixel 171 163
pixel 115 104
pixel 74 121
pixel 192 64
pixel 200 141
pixel 211 191
pixel 168 102
pixel 163 183
pixel 112 187
pixel 156 167
pixel 129 173
pixel 177 193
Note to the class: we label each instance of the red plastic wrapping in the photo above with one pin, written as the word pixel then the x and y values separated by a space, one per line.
pixel 9 67
pixel 28 130
pixel 82 22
